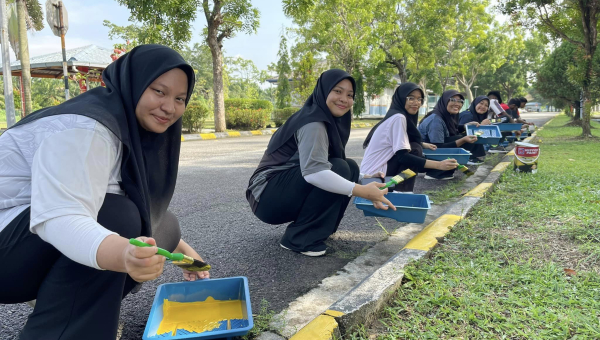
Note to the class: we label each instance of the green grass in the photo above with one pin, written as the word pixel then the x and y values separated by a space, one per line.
pixel 449 192
pixel 500 273
pixel 261 321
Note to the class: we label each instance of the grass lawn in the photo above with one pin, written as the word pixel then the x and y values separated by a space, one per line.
pixel 525 264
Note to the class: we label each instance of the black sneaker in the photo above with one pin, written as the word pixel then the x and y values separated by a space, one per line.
pixel 497 149
pixel 475 161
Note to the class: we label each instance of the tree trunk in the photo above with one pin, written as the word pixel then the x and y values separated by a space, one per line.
pixel 576 110
pixel 587 113
pixel 24 53
pixel 219 98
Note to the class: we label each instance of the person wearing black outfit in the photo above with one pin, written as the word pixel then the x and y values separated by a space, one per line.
pixel 440 127
pixel 477 113
pixel 77 181
pixel 304 176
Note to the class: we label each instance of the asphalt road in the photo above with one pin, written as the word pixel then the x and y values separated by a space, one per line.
pixel 216 220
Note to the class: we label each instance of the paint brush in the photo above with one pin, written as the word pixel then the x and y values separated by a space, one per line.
pixel 178 259
pixel 465 170
pixel 406 174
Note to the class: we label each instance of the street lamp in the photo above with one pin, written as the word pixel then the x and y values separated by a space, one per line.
pixel 475 87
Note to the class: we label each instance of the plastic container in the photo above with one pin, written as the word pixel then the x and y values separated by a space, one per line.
pixel 509 126
pixel 440 154
pixel 490 134
pixel 409 207
pixel 232 288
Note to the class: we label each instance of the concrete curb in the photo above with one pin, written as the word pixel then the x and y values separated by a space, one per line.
pixel 363 303
pixel 218 135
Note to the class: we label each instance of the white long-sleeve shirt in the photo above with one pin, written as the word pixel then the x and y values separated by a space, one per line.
pixel 62 167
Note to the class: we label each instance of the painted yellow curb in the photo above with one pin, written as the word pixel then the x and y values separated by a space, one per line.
pixel 362 125
pixel 321 328
pixel 182 139
pixel 234 134
pixel 501 167
pixel 511 153
pixel 256 132
pixel 208 136
pixel 334 313
pixel 273 131
pixel 479 190
pixel 427 238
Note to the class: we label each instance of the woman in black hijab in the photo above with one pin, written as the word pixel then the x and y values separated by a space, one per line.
pixel 395 144
pixel 476 114
pixel 304 176
pixel 440 127
pixel 102 169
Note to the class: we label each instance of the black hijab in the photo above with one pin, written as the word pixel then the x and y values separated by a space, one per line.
pixel 399 106
pixel 441 109
pixel 315 110
pixel 497 94
pixel 150 160
pixel 476 116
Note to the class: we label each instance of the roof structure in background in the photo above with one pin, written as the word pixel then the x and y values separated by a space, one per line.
pixel 79 60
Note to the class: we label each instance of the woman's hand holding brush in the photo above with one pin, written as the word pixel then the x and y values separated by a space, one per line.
pixel 372 192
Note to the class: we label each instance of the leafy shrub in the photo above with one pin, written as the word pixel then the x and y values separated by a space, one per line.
pixel 195 115
pixel 246 119
pixel 281 115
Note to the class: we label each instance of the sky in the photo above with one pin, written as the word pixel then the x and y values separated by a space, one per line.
pixel 85 28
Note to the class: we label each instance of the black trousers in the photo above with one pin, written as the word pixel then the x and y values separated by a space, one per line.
pixel 394 167
pixel 315 213
pixel 443 173
pixel 73 301
pixel 477 150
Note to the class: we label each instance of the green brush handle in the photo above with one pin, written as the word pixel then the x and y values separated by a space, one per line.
pixel 172 257
pixel 387 185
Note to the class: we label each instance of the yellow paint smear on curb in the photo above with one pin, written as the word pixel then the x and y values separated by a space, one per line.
pixel 334 313
pixel 234 134
pixel 427 238
pixel 256 133
pixel 321 328
pixel 501 167
pixel 479 190
pixel 182 139
pixel 511 153
pixel 208 136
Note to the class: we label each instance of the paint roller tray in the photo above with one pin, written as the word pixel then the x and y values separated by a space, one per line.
pixel 488 134
pixel 461 155
pixel 509 126
pixel 232 288
pixel 409 207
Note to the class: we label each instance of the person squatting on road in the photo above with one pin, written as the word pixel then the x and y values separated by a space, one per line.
pixel 77 181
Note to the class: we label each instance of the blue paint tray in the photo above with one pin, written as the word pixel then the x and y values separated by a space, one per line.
pixel 490 134
pixel 509 126
pixel 440 154
pixel 409 207
pixel 232 288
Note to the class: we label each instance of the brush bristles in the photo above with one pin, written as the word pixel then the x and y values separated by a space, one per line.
pixel 406 174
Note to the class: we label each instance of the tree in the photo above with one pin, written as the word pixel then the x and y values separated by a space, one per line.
pixel 574 21
pixel 166 22
pixel 284 98
pixel 555 79
pixel 306 73
pixel 244 78
pixel 29 16
pixel 200 58
pixel 224 20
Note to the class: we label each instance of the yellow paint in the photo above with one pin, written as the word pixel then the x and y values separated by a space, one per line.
pixel 427 238
pixel 334 313
pixel 198 317
pixel 256 133
pixel 479 190
pixel 182 139
pixel 234 134
pixel 208 136
pixel 511 153
pixel 321 328
pixel 501 167
pixel 273 131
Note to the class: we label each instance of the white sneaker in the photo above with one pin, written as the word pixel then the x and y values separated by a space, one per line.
pixel 441 179
pixel 308 253
pixel 474 162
